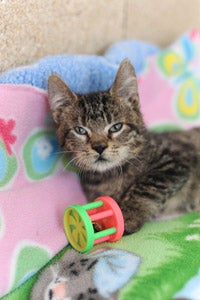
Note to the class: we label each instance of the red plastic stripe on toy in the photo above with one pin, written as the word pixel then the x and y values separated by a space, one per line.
pixel 101 215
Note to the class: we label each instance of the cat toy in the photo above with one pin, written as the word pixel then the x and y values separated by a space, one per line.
pixel 80 222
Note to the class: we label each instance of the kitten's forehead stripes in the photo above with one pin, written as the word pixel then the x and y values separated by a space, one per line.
pixel 134 128
pixel 95 106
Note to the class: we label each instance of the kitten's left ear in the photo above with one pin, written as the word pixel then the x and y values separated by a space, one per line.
pixel 125 83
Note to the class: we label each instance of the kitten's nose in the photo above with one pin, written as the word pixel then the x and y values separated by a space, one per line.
pixel 99 147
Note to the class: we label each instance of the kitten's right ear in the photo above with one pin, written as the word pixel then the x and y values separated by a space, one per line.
pixel 60 94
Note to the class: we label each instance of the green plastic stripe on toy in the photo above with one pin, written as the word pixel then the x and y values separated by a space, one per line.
pixel 104 233
pixel 93 205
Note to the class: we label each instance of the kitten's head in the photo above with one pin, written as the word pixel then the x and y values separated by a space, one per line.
pixel 101 130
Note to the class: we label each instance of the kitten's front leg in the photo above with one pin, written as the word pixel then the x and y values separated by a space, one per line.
pixel 136 210
pixel 149 196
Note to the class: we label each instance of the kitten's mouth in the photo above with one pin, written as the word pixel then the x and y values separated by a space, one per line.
pixel 103 164
pixel 101 159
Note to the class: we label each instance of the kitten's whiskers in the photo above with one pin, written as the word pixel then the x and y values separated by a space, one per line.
pixel 135 164
pixel 67 151
pixel 70 162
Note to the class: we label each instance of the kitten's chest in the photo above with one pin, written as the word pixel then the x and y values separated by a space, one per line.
pixel 114 185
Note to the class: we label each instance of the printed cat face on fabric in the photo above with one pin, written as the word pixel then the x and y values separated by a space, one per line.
pixel 101 130
pixel 96 276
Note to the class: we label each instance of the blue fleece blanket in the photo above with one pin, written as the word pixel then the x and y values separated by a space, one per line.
pixel 83 73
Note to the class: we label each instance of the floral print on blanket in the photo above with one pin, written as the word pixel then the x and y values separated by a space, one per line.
pixel 8 160
pixel 39 256
pixel 31 174
pixel 179 63
pixel 40 154
pixel 170 85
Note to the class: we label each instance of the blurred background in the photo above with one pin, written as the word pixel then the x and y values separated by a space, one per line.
pixel 32 29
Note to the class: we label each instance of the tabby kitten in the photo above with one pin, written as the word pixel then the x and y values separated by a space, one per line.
pixel 149 174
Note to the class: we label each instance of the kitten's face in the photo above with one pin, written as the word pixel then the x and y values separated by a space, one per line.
pixel 102 130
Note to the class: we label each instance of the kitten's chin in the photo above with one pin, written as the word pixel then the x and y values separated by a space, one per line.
pixel 100 164
pixel 103 165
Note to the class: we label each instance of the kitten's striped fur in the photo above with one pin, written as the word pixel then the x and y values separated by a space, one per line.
pixel 149 174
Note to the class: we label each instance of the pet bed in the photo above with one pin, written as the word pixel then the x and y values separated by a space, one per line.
pixel 37 183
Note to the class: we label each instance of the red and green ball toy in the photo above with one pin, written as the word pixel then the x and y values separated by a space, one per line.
pixel 79 220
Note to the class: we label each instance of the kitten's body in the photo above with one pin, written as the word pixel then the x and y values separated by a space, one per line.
pixel 150 175
pixel 157 169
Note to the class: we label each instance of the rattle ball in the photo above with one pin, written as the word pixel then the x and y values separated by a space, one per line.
pixel 80 222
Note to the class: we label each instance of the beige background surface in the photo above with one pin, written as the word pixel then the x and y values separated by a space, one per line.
pixel 32 29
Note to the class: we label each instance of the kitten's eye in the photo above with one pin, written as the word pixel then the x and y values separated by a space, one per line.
pixel 116 127
pixel 80 130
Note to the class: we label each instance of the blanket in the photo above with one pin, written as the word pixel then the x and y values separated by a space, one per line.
pixel 33 169
pixel 161 262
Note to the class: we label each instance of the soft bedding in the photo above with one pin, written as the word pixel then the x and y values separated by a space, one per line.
pixel 37 182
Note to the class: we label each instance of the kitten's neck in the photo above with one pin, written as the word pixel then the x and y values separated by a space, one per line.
pixel 134 166
pixel 96 177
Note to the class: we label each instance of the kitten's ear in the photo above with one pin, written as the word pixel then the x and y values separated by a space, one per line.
pixel 125 83
pixel 59 94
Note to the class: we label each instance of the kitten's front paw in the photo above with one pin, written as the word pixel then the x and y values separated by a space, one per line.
pixel 132 225
pixel 135 214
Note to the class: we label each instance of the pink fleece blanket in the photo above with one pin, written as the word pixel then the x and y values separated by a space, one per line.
pixel 35 182
pixel 35 188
